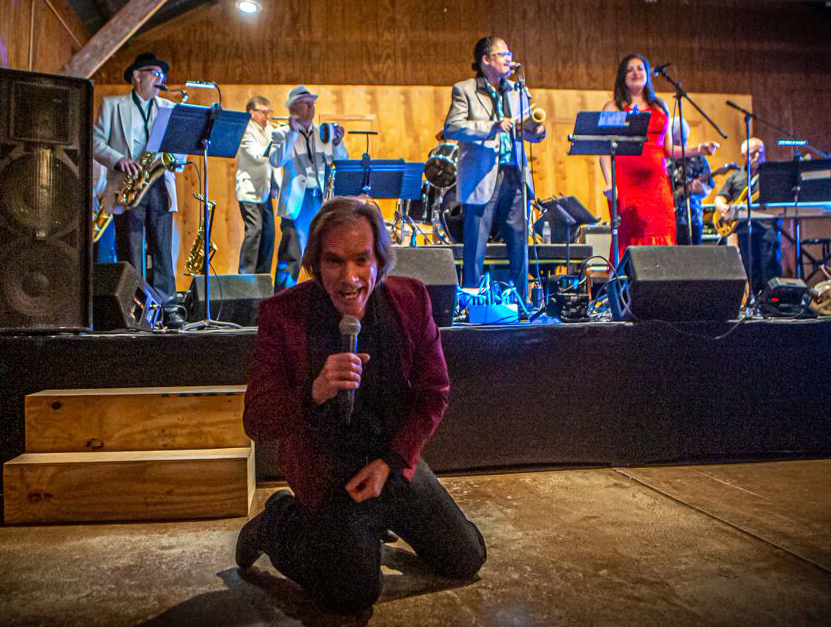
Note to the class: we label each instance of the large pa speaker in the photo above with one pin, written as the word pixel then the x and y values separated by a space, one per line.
pixel 122 300
pixel 234 297
pixel 678 283
pixel 45 201
pixel 436 269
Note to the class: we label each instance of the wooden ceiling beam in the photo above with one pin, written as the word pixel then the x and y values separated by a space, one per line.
pixel 111 37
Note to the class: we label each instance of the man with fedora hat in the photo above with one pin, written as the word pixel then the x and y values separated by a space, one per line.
pixel 305 156
pixel 120 136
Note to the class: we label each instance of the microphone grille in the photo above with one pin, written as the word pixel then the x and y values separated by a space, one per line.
pixel 349 325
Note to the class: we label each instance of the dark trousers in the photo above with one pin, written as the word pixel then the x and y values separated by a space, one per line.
pixel 257 247
pixel 505 208
pixel 293 236
pixel 334 552
pixel 152 221
pixel 766 254
pixel 682 236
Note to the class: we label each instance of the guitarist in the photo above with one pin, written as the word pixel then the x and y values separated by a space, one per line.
pixel 699 184
pixel 765 242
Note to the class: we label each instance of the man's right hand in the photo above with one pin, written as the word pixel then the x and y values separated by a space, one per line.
pixel 128 166
pixel 503 126
pixel 294 124
pixel 341 371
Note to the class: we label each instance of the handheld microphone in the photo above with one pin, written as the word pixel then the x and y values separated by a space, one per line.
pixel 516 66
pixel 349 328
pixel 162 87
pixel 660 69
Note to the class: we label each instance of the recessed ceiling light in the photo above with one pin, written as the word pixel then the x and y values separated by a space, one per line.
pixel 248 6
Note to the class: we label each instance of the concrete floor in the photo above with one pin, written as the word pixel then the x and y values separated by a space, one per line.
pixel 744 544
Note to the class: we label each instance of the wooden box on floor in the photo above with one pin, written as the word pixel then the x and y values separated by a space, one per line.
pixel 131 454
pixel 135 419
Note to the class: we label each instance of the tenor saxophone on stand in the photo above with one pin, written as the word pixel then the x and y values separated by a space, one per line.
pixel 195 263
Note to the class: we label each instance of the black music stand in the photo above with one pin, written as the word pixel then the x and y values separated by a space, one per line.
pixel 564 214
pixel 379 178
pixel 206 131
pixel 795 184
pixel 613 133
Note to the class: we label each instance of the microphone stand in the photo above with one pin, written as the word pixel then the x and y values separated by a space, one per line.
pixel 747 117
pixel 522 88
pixel 679 96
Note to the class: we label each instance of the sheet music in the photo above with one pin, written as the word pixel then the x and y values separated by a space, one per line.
pixel 612 118
pixel 159 129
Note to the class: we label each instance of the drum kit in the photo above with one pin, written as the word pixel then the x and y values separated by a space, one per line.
pixel 437 208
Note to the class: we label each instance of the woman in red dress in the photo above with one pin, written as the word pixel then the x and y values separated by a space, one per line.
pixel 644 196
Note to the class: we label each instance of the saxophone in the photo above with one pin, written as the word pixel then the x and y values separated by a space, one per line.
pixel 150 169
pixel 195 263
pixel 100 221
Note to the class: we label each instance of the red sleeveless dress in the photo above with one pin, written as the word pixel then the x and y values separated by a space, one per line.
pixel 645 204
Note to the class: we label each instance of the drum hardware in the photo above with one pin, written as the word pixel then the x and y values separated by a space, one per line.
pixel 442 165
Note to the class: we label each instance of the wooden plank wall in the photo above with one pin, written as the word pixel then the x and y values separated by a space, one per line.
pixel 778 52
pixel 38 35
pixel 407 119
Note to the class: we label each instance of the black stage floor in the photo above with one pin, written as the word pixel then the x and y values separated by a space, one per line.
pixel 523 395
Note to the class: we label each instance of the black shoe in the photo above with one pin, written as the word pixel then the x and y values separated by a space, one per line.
pixel 388 537
pixel 248 541
pixel 174 320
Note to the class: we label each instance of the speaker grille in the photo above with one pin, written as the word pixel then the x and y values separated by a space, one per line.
pixel 35 104
pixel 45 202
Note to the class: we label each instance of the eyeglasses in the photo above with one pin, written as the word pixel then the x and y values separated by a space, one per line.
pixel 507 54
pixel 156 73
pixel 264 111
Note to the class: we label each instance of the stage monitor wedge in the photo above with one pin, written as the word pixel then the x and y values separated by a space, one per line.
pixel 234 297
pixel 122 300
pixel 679 283
pixel 45 203
pixel 436 269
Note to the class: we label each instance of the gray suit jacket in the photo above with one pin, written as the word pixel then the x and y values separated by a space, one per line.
pixel 470 121
pixel 112 140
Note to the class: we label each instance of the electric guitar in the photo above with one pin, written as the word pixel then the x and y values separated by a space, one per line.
pixel 727 167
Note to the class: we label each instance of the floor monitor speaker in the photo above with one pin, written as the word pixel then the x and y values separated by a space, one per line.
pixel 122 299
pixel 45 202
pixel 234 297
pixel 678 283
pixel 436 269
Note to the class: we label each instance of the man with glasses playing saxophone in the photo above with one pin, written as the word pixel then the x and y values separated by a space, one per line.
pixel 119 138
pixel 481 119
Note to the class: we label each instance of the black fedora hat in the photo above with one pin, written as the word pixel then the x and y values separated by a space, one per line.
pixel 145 59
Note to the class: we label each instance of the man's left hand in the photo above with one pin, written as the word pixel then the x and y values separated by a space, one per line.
pixel 339 132
pixel 369 482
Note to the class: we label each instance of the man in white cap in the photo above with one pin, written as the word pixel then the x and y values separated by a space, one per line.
pixel 305 158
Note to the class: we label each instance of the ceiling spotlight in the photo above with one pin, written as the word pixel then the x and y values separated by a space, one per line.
pixel 248 6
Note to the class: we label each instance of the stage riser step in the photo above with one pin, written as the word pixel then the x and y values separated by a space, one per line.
pixel 43 488
pixel 135 419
